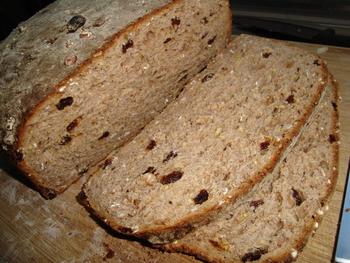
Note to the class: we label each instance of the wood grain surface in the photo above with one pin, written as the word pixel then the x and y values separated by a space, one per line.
pixel 36 230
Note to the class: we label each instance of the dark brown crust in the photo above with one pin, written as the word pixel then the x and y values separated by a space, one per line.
pixel 299 243
pixel 32 175
pixel 166 233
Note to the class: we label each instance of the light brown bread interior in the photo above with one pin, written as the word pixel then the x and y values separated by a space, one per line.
pixel 225 132
pixel 273 222
pixel 115 93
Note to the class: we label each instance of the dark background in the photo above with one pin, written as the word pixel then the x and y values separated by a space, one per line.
pixel 316 21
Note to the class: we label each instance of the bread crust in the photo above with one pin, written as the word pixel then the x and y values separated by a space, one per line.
pixel 299 242
pixel 46 191
pixel 177 230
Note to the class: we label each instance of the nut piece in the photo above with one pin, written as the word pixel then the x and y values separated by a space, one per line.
pixel 70 60
pixel 85 34
pixel 99 22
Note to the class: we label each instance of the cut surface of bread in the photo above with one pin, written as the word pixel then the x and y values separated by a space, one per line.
pixel 273 222
pixel 225 132
pixel 81 78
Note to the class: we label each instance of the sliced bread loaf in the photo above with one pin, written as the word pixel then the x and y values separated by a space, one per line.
pixel 81 78
pixel 225 132
pixel 272 223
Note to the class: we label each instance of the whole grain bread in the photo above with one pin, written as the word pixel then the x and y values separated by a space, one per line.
pixel 273 222
pixel 225 132
pixel 81 78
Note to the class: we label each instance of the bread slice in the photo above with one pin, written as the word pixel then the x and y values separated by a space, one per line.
pixel 81 78
pixel 272 223
pixel 226 131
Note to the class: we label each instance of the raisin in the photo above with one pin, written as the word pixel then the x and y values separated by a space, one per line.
pixel 65 102
pixel 254 255
pixel 167 40
pixel 211 41
pixel 106 163
pixel 175 21
pixel 256 203
pixel 264 145
pixel 204 20
pixel 266 54
pixel 290 99
pixel 334 105
pixel 317 62
pixel 170 155
pixel 104 135
pixel 75 23
pixel 151 145
pixel 332 138
pixel 71 126
pixel 110 254
pixel 207 77
pixel 201 197
pixel 65 140
pixel 171 178
pixel 297 196
pixel 127 45
pixel 18 155
pixel 150 169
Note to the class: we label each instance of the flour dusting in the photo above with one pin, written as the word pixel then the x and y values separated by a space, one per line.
pixel 9 192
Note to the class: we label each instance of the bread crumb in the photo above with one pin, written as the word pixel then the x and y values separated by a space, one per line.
pixel 320 212
pixel 294 253
pixel 61 89
pixel 218 132
pixel 316 225
pixel 10 123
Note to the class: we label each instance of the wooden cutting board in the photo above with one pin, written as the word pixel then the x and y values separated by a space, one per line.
pixel 36 230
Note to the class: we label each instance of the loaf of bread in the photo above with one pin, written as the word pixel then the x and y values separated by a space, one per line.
pixel 225 133
pixel 272 223
pixel 81 78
